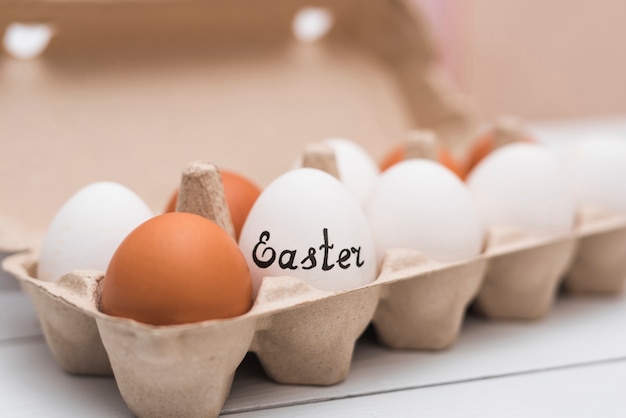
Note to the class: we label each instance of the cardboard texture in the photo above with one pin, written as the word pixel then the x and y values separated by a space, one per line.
pixel 201 192
pixel 600 264
pixel 523 284
pixel 237 85
pixel 303 335
pixel 322 157
pixel 182 81
pixel 422 144
pixel 73 338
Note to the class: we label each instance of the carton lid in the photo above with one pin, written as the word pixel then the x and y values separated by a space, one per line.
pixel 132 91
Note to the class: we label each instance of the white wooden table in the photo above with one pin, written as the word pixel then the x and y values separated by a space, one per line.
pixel 572 363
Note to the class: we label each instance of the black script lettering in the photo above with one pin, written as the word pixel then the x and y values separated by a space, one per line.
pixel 309 258
pixel 263 238
pixel 264 255
pixel 357 251
pixel 344 255
pixel 289 264
pixel 326 247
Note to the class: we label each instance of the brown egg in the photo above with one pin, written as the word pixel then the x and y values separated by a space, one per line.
pixel 177 268
pixel 445 158
pixel 240 194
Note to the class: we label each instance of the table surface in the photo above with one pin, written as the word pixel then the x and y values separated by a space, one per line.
pixel 571 363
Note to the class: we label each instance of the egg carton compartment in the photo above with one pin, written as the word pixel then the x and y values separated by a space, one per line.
pixel 522 283
pixel 72 337
pixel 600 263
pixel 302 335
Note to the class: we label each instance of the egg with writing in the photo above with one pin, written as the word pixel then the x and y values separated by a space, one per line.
pixel 523 185
pixel 421 205
pixel 596 169
pixel 177 268
pixel 88 228
pixel 306 224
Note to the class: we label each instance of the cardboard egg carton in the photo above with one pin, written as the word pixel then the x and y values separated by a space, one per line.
pixel 193 80
pixel 303 335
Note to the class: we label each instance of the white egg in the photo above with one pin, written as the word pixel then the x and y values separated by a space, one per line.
pixel 420 205
pixel 597 172
pixel 307 225
pixel 89 227
pixel 523 185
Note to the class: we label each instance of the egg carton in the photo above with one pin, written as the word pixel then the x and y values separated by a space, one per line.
pixel 303 335
pixel 300 334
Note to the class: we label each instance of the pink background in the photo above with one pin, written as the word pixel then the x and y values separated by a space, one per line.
pixel 548 59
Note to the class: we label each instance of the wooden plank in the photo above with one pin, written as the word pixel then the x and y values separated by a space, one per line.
pixel 18 319
pixel 578 331
pixel 579 392
pixel 32 385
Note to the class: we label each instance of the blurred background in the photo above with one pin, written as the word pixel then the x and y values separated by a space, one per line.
pixel 193 77
pixel 540 60
pixel 160 84
pixel 548 59
pixel 556 58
